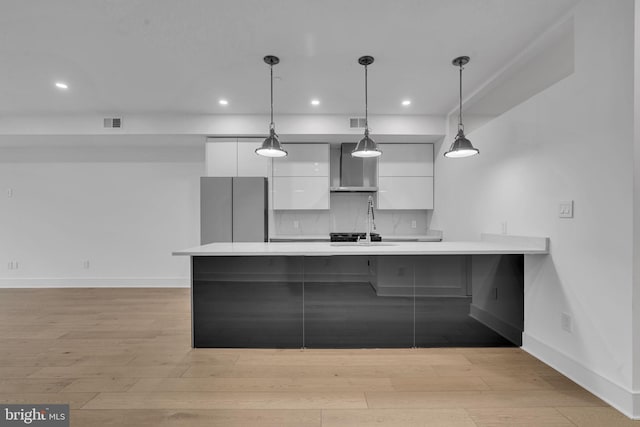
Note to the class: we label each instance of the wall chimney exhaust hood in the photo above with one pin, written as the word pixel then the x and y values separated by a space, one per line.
pixel 352 174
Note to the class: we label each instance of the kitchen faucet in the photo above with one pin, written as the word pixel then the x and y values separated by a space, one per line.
pixel 371 223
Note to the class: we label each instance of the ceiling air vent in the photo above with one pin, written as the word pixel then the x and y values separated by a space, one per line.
pixel 357 122
pixel 113 122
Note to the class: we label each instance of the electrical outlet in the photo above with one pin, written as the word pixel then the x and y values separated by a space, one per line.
pixel 13 265
pixel 86 264
pixel 503 226
pixel 10 192
pixel 566 322
pixel 565 209
pixel 414 223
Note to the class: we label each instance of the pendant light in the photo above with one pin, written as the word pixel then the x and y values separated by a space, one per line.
pixel 366 147
pixel 271 146
pixel 461 146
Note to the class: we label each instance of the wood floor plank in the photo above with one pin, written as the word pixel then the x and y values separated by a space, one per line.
pixel 310 384
pixel 417 383
pixel 366 359
pixel 197 418
pixel 110 371
pixel 396 418
pixel 33 385
pixel 519 417
pixel 75 400
pixel 385 371
pixel 597 417
pixel 516 382
pixel 481 399
pixel 16 372
pixel 102 384
pixel 228 400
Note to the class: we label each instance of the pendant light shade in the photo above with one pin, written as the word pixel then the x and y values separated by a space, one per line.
pixel 271 146
pixel 461 146
pixel 366 147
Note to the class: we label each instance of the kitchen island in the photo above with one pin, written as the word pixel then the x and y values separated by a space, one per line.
pixel 347 295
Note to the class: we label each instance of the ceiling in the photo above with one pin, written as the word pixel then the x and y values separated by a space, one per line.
pixel 181 57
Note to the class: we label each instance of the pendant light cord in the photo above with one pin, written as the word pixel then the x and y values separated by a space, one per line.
pixel 366 101
pixel 460 125
pixel 272 126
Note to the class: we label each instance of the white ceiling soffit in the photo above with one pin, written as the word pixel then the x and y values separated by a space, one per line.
pixel 546 61
pixel 167 56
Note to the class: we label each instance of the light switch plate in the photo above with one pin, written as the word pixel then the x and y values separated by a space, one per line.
pixel 565 209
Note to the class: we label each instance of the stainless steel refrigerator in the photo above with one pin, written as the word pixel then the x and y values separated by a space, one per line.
pixel 233 209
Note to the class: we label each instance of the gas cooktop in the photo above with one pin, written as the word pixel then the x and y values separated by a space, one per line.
pixel 353 237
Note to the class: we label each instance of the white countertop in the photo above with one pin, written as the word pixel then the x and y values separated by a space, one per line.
pixel 490 244
pixel 325 238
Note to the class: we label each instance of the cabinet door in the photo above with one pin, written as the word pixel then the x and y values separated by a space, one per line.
pixel 249 163
pixel 405 192
pixel 303 160
pixel 222 157
pixel 406 160
pixel 300 192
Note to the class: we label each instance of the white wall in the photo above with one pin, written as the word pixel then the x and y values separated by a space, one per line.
pixel 123 208
pixel 573 141
pixel 636 209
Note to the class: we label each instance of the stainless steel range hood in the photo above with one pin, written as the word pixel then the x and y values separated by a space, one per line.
pixel 352 174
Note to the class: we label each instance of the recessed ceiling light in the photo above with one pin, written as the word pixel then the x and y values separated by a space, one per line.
pixel 406 102
pixel 223 102
pixel 61 85
pixel 315 102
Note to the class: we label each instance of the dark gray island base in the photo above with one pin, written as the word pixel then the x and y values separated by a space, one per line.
pixel 357 301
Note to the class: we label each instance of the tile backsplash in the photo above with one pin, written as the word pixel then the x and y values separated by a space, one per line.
pixel 348 213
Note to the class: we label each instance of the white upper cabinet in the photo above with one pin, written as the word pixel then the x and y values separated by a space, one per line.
pixel 300 192
pixel 303 160
pixel 405 192
pixel 406 160
pixel 301 180
pixel 235 157
pixel 405 176
pixel 222 157
pixel 249 163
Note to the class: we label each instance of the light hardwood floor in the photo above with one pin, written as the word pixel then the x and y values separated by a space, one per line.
pixel 122 357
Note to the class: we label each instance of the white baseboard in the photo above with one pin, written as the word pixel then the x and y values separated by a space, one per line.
pixel 621 398
pixel 95 282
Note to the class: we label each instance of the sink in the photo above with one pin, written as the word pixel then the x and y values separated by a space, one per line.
pixel 363 244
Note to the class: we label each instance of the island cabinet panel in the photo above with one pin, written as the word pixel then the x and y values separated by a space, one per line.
pixel 422 275
pixel 498 293
pixel 352 315
pixel 235 310
pixel 357 301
